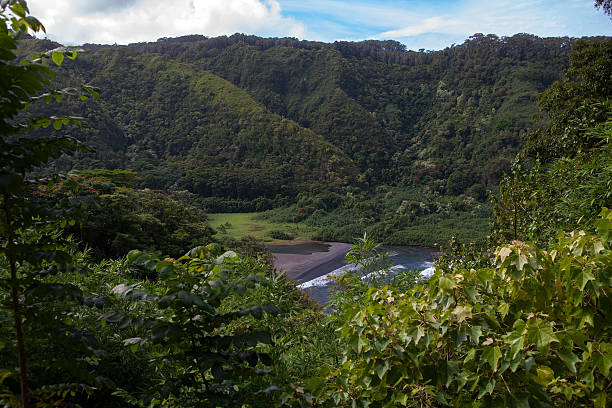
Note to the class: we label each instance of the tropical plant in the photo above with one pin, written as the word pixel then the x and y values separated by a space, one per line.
pixel 369 265
pixel 30 248
pixel 188 337
pixel 531 330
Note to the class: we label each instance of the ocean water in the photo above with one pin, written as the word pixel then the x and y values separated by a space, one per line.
pixel 318 286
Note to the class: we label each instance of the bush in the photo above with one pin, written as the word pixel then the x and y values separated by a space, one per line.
pixel 532 330
pixel 278 234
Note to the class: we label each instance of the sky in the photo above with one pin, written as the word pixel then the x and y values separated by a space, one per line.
pixel 432 25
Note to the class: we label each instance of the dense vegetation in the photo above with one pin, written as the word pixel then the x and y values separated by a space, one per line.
pixel 400 138
pixel 118 217
pixel 522 323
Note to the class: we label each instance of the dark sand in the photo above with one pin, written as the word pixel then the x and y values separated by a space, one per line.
pixel 304 267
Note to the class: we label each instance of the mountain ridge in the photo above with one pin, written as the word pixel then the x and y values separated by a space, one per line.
pixel 450 119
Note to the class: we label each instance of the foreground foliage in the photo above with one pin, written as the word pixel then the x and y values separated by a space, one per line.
pixel 30 244
pixel 524 325
pixel 198 360
pixel 531 330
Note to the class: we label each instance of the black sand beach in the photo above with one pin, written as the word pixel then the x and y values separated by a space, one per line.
pixel 308 265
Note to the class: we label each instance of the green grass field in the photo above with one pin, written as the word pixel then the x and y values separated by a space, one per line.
pixel 237 225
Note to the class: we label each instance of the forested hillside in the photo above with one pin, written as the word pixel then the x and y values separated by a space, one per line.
pixel 521 321
pixel 452 117
pixel 400 139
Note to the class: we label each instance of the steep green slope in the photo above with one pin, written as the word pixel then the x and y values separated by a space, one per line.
pixel 450 119
pixel 405 139
pixel 404 117
pixel 185 128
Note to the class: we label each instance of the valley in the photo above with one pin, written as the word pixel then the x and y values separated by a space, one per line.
pixel 239 221
pixel 339 138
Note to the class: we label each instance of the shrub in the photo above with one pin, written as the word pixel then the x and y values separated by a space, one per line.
pixel 532 330
pixel 278 234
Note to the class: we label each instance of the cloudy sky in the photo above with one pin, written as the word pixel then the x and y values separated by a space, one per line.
pixel 429 24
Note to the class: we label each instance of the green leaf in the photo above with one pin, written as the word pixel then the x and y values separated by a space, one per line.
pixel 603 359
pixel 540 333
pixel 440 397
pixel 475 333
pixel 358 343
pixel 589 379
pixel 18 9
pixel 492 356
pixel 111 316
pixel 528 363
pixel 94 92
pixel 470 356
pixel 462 312
pixel 132 341
pixel 570 359
pixel 462 379
pixel 461 337
pixel 258 337
pixel 379 346
pixel 503 309
pixel 57 57
pixel 165 301
pixel 122 290
pixel 471 294
pixel 521 261
pixel 165 269
pixel 402 399
pixel 516 347
pixel 544 375
pixel 486 386
pixel 583 278
pixel 452 368
pixel 447 284
pixel 381 367
pixel 416 333
pixel 227 256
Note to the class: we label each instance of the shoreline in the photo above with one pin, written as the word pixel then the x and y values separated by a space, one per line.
pixel 309 262
pixel 305 267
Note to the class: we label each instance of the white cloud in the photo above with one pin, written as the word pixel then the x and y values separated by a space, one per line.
pixel 417 23
pixel 123 22
pixel 503 17
pixel 426 26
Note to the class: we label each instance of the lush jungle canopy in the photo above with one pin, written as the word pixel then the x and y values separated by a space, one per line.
pixel 364 135
pixel 521 320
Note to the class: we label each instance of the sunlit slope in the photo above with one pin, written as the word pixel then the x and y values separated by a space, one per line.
pixel 185 128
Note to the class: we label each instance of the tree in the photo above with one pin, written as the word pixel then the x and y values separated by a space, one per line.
pixel 530 329
pixel 560 179
pixel 606 5
pixel 189 333
pixel 27 226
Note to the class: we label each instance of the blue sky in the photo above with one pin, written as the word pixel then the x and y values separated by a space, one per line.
pixel 416 23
